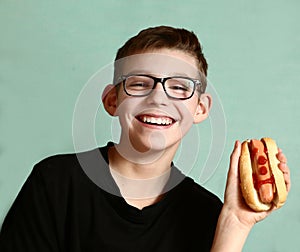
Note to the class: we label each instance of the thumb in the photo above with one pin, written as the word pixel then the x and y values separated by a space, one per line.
pixel 234 160
pixel 232 184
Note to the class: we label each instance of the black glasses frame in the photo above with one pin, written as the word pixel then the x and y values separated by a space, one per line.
pixel 162 81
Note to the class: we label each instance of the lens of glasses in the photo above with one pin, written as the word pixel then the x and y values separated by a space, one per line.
pixel 138 85
pixel 175 87
pixel 179 87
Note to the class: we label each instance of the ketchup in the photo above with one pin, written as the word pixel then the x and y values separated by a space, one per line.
pixel 263 170
pixel 259 153
pixel 261 160
pixel 258 183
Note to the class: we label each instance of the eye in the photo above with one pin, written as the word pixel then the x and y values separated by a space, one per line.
pixel 138 82
pixel 180 85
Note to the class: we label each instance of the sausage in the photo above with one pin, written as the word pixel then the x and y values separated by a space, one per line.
pixel 262 177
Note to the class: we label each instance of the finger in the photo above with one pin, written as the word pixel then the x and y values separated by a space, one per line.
pixel 234 159
pixel 286 174
pixel 281 157
pixel 284 168
pixel 287 182
pixel 232 184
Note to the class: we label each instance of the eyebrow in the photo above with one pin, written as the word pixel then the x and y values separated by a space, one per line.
pixel 137 72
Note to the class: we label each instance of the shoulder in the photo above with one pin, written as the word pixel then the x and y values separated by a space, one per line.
pixel 75 171
pixel 68 163
pixel 188 192
pixel 60 171
pixel 59 164
pixel 200 191
pixel 199 197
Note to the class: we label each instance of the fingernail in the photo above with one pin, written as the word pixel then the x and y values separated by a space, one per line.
pixel 236 143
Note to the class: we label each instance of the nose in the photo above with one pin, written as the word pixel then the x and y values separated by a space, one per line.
pixel 158 95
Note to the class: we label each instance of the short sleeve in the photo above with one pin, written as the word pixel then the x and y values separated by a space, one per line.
pixel 28 225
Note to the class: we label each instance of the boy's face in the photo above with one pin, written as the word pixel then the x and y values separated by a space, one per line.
pixel 157 122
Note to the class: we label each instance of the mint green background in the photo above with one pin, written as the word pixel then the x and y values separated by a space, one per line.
pixel 49 49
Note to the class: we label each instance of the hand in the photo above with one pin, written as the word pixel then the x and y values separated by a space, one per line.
pixel 234 202
pixel 236 218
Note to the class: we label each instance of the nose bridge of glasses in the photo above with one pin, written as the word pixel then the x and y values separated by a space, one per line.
pixel 160 80
pixel 158 91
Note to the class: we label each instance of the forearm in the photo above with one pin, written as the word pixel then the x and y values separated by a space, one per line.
pixel 230 233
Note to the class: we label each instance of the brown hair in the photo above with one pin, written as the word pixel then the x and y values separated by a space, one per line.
pixel 165 37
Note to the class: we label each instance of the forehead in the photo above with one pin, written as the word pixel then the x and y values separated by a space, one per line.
pixel 161 63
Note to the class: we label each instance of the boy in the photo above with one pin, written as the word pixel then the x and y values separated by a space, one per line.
pixel 129 196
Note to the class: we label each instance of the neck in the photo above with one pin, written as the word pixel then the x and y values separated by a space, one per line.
pixel 140 183
pixel 140 165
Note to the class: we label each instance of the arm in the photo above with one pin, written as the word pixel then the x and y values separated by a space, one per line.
pixel 237 219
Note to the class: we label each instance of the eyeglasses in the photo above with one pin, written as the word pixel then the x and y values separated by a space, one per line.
pixel 176 87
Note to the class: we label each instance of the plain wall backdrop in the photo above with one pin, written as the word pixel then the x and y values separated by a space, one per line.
pixel 50 49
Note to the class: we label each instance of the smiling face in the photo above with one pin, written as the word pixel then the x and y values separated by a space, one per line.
pixel 156 123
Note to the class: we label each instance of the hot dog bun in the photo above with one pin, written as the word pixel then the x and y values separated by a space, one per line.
pixel 249 192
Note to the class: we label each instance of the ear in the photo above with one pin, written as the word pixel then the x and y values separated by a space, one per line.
pixel 203 108
pixel 109 99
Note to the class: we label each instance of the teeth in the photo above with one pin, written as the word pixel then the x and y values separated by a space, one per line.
pixel 159 121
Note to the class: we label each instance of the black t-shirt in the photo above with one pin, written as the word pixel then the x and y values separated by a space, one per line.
pixel 60 208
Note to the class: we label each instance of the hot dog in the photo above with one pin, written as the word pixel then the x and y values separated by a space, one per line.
pixel 262 177
pixel 261 181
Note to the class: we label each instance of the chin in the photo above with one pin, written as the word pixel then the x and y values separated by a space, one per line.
pixel 155 142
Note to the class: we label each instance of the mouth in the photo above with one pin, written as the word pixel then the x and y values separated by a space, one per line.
pixel 156 120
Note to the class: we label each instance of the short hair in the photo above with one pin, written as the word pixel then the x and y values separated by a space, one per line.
pixel 165 37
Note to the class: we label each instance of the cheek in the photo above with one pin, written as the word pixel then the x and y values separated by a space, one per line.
pixel 127 109
pixel 187 111
pixel 189 107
